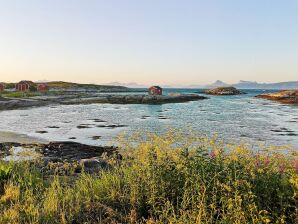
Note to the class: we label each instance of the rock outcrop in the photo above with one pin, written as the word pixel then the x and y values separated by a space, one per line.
pixel 62 158
pixel 73 151
pixel 224 91
pixel 137 99
pixel 10 104
pixel 94 165
pixel 62 151
pixel 284 96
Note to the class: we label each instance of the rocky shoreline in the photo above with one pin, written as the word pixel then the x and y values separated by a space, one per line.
pixel 284 96
pixel 10 104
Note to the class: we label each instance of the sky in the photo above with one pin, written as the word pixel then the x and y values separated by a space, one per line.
pixel 164 42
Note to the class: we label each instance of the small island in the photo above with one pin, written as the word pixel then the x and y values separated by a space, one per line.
pixel 224 91
pixel 284 96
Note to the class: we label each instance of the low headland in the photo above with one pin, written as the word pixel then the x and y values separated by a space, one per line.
pixel 72 93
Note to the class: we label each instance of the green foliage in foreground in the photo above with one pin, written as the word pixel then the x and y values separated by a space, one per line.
pixel 161 181
pixel 5 171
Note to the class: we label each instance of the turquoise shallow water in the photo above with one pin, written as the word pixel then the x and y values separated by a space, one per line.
pixel 232 118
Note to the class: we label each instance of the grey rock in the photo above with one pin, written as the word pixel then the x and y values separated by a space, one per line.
pixel 94 165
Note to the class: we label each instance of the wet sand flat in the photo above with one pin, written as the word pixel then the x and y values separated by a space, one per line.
pixel 19 138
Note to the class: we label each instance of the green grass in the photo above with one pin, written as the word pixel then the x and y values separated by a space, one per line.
pixel 30 94
pixel 166 179
pixel 69 85
pixel 20 94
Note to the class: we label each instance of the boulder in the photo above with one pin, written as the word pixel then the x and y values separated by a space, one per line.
pixel 94 165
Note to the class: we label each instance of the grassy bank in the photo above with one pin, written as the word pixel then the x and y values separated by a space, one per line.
pixel 165 179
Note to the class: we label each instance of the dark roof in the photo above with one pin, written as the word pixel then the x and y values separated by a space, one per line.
pixel 27 82
pixel 157 87
pixel 42 84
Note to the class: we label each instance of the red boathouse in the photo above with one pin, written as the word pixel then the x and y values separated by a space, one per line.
pixel 2 87
pixel 24 86
pixel 155 90
pixel 42 87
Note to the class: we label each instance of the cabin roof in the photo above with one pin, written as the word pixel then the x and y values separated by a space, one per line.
pixel 156 87
pixel 26 82
pixel 42 84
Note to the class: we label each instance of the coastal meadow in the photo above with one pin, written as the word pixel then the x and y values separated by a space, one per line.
pixel 172 178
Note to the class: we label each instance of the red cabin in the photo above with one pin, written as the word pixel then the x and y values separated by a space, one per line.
pixel 24 86
pixel 42 87
pixel 155 90
pixel 2 87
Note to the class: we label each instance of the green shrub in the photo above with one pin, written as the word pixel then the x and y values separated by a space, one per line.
pixel 5 171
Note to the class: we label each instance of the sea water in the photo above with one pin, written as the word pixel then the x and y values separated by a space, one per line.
pixel 240 118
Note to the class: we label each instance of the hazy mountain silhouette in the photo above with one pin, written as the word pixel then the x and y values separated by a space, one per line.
pixel 255 85
pixel 129 85
pixel 242 84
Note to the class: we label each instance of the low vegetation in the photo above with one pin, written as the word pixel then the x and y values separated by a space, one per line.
pixel 60 88
pixel 168 179
pixel 69 85
pixel 20 94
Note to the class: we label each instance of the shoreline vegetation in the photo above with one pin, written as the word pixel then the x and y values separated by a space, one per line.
pixel 157 179
pixel 69 86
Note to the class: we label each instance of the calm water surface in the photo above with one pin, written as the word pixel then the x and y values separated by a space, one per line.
pixel 232 118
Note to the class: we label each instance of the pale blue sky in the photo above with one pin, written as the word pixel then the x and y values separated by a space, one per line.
pixel 149 42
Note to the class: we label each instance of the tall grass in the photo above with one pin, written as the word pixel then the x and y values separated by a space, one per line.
pixel 161 179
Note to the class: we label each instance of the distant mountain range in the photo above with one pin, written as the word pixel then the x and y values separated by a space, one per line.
pixel 255 85
pixel 240 85
pixel 129 85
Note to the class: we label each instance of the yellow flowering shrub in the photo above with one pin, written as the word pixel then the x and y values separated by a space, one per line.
pixel 174 178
